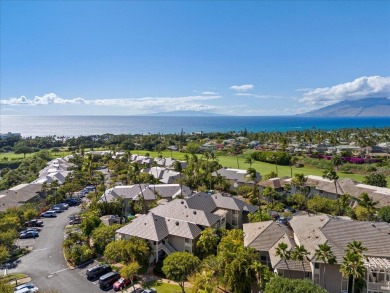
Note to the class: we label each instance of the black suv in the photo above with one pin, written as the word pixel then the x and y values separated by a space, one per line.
pixel 97 271
pixel 107 280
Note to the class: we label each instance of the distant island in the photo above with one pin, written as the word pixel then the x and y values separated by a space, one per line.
pixel 369 107
pixel 184 113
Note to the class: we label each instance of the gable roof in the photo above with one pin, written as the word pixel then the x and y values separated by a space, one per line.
pixel 238 175
pixel 311 231
pixel 154 227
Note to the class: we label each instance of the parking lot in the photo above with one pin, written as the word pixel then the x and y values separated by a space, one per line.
pixel 45 264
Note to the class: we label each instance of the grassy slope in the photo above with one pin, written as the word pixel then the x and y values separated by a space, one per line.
pixel 263 168
pixel 166 288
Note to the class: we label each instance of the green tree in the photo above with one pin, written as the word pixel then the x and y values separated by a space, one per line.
pixel 332 176
pixel 103 235
pixel 353 265
pixel 325 254
pixel 129 250
pixel 207 243
pixel 203 282
pixel 336 162
pixel 22 148
pixel 369 204
pixel 384 214
pixel 299 253
pixel 282 252
pixel 4 254
pixel 375 179
pixel 235 262
pixel 286 285
pixel 128 271
pixel 293 161
pixel 192 148
pixel 89 223
pixel 179 265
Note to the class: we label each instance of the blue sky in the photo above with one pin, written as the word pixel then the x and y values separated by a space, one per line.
pixel 233 57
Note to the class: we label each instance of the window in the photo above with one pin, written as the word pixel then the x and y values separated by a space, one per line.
pixel 188 241
pixel 234 222
pixel 344 285
pixel 316 265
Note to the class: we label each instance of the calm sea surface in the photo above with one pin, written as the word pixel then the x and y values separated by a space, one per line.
pixel 90 125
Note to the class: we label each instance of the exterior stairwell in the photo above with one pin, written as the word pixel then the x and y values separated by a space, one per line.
pixel 167 248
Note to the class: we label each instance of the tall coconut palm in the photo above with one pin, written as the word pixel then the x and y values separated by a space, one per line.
pixel 274 158
pixel 300 253
pixel 332 176
pixel 353 265
pixel 251 175
pixel 284 254
pixel 249 160
pixel 325 254
pixel 178 168
pixel 293 161
pixel 336 162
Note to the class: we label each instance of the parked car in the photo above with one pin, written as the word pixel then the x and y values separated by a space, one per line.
pixel 138 290
pixel 57 209
pixel 34 223
pixel 29 234
pixel 65 205
pixel 29 230
pixel 72 201
pixel 49 214
pixel 107 280
pixel 29 286
pixel 98 271
pixel 151 290
pixel 75 221
pixel 62 207
pixel 122 283
pixel 282 220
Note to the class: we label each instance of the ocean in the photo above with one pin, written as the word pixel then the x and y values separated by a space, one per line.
pixel 91 125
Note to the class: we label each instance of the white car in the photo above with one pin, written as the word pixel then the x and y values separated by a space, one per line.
pixel 49 214
pixel 26 288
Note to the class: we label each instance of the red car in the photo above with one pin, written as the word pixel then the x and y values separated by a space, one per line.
pixel 122 283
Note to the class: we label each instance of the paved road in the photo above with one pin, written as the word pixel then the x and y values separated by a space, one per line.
pixel 46 265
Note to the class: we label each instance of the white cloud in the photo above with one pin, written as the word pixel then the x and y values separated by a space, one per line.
pixel 242 88
pixel 362 87
pixel 259 96
pixel 146 104
pixel 209 93
pixel 43 100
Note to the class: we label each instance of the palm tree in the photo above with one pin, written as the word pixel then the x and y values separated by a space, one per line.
pixel 367 202
pixel 251 175
pixel 353 265
pixel 325 254
pixel 293 161
pixel 178 168
pixel 283 253
pixel 356 247
pixel 249 160
pixel 299 254
pixel 332 175
pixel 336 162
pixel 274 158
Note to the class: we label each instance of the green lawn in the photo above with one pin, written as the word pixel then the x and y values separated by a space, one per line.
pixel 166 288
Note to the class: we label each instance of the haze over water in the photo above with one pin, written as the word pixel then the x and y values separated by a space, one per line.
pixel 95 125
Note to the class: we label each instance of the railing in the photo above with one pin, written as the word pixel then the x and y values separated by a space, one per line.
pixel 168 249
pixel 382 287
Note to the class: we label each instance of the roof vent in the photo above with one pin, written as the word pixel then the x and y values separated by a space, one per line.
pixel 177 223
pixel 155 219
pixel 194 212
pixel 182 202
pixel 372 224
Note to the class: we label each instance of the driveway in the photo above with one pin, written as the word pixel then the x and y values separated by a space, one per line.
pixel 46 265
